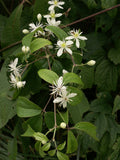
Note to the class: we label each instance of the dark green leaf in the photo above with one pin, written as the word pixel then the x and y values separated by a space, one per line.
pixel 12 149
pixel 106 76
pixel 61 146
pixel 87 127
pixel 72 144
pixel 116 104
pixel 26 108
pixel 29 132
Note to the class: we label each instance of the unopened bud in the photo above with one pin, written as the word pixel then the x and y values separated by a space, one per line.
pixel 39 17
pixel 25 31
pixel 64 71
pixel 25 49
pixel 63 125
pixel 91 63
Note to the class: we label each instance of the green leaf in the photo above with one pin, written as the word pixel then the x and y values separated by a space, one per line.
pixel 40 137
pixel 61 146
pixel 40 7
pixel 92 4
pixel 46 146
pixel 106 76
pixel 78 110
pixel 35 122
pixel 7 107
pixel 29 132
pixel 26 108
pixel 62 156
pixel 52 152
pixel 41 152
pixel 87 127
pixel 72 78
pixel 76 99
pixel 39 43
pixel 101 125
pixel 72 144
pixel 114 55
pixel 3 20
pixel 109 3
pixel 12 149
pixel 12 31
pixel 87 76
pixel 116 106
pixel 49 119
pixel 27 39
pixel 61 34
pixel 57 67
pixel 48 75
pixel 64 116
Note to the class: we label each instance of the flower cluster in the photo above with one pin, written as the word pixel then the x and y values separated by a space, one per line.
pixel 15 76
pixel 65 45
pixel 50 17
pixel 61 91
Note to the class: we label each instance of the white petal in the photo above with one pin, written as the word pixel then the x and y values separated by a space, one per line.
pixel 68 50
pixel 51 7
pixel 60 52
pixel 72 95
pixel 70 37
pixel 69 43
pixel 77 43
pixel 50 2
pixel 64 91
pixel 57 100
pixel 61 3
pixel 15 61
pixel 60 81
pixel 82 37
pixel 59 43
pixel 58 15
pixel 64 104
pixel 47 16
pixel 59 7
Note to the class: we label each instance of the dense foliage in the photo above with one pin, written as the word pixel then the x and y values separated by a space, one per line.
pixel 86 124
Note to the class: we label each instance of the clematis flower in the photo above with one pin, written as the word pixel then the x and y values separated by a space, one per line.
pixel 16 82
pixel 55 3
pixel 53 22
pixel 14 68
pixel 64 45
pixel 64 98
pixel 53 15
pixel 76 35
pixel 58 86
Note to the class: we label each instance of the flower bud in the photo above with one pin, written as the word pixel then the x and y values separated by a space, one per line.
pixel 25 31
pixel 39 17
pixel 91 63
pixel 64 71
pixel 25 49
pixel 20 84
pixel 63 125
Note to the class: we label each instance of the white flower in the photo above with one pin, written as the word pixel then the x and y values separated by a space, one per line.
pixel 52 15
pixel 25 31
pixel 14 68
pixel 33 26
pixel 64 45
pixel 53 22
pixel 91 63
pixel 25 49
pixel 58 86
pixel 16 82
pixel 64 98
pixel 55 3
pixel 77 36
